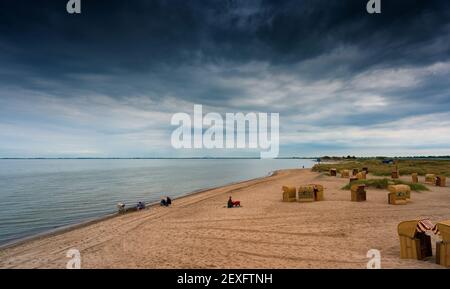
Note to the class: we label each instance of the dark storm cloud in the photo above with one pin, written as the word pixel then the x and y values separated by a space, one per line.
pixel 127 38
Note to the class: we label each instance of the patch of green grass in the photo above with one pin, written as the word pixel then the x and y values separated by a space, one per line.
pixel 384 183
pixel 377 168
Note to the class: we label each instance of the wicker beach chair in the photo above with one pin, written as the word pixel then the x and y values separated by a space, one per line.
pixel 318 192
pixel 441 181
pixel 358 193
pixel 401 190
pixel 414 243
pixel 443 247
pixel 289 194
pixel 430 179
pixel 345 174
pixel 305 194
pixel 361 175
pixel 395 174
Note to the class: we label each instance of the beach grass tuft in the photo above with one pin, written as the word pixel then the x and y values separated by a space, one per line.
pixel 378 168
pixel 384 183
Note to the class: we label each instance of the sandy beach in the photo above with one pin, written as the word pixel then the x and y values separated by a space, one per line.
pixel 199 232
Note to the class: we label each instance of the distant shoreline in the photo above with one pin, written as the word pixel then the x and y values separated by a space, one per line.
pixel 322 159
pixel 137 158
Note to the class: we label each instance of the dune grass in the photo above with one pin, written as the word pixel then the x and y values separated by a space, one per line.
pixel 377 168
pixel 384 183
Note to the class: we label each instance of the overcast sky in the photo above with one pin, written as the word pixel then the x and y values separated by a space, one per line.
pixel 107 82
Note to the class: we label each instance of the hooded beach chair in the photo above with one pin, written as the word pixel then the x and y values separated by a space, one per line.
pixel 318 192
pixel 361 175
pixel 395 174
pixel 400 192
pixel 305 194
pixel 333 172
pixel 443 247
pixel 289 194
pixel 430 179
pixel 358 193
pixel 414 178
pixel 345 174
pixel 414 243
pixel 440 181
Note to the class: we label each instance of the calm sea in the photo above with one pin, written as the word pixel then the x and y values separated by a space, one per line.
pixel 41 195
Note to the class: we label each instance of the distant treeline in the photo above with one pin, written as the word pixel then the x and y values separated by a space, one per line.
pixel 338 158
pixel 382 157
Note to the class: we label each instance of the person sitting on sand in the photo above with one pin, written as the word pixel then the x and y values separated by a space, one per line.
pixel 140 206
pixel 166 202
pixel 232 203
pixel 121 207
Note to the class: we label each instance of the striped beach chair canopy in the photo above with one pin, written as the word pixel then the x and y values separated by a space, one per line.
pixel 426 225
pixel 410 228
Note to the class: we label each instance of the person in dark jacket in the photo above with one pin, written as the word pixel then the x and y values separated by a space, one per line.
pixel 140 206
pixel 230 203
pixel 166 202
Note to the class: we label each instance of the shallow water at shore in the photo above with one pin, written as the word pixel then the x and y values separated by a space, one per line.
pixel 40 195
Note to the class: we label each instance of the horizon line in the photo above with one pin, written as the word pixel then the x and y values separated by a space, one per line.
pixel 130 158
pixel 175 158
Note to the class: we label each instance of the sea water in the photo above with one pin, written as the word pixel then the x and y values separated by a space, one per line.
pixel 41 195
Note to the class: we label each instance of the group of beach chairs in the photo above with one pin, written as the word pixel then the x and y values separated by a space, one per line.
pixel 308 193
pixel 415 240
pixel 432 179
pixel 356 174
pixel 398 194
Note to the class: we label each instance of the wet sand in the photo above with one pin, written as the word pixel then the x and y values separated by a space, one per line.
pixel 199 232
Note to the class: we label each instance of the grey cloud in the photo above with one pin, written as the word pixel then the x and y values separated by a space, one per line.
pixel 249 55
